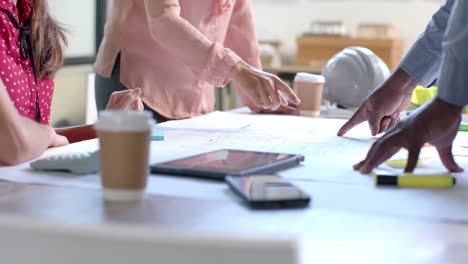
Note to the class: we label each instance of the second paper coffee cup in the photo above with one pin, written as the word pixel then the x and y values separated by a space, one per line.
pixel 124 139
pixel 309 88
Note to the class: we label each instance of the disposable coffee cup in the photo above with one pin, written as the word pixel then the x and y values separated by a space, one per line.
pixel 124 139
pixel 309 88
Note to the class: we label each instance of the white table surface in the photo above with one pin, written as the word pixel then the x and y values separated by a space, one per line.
pixel 60 210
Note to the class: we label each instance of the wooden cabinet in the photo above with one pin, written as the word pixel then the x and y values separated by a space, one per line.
pixel 315 51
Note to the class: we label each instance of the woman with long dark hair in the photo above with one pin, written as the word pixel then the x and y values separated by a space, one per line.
pixel 30 55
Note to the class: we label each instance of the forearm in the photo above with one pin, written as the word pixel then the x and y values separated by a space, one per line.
pixel 23 140
pixel 77 133
pixel 243 96
pixel 452 109
pixel 424 58
pixel 242 39
pixel 207 59
pixel 452 86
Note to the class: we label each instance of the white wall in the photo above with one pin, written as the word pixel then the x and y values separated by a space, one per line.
pixel 287 19
pixel 78 18
pixel 69 102
pixel 71 83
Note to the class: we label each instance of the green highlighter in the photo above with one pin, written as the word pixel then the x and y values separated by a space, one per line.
pixel 463 127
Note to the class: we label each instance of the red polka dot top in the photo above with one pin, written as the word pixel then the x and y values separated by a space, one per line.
pixel 32 99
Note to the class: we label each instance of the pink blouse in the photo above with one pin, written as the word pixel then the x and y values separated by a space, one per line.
pixel 177 51
pixel 31 99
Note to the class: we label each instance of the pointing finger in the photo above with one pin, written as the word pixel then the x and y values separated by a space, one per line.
pixel 355 120
pixel 359 165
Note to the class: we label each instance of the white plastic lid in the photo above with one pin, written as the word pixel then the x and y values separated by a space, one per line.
pixel 309 77
pixel 124 121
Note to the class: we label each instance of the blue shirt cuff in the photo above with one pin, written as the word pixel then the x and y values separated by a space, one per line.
pixel 421 64
pixel 452 82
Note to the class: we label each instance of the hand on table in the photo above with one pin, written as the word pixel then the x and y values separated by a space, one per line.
pixel 436 122
pixel 383 106
pixel 126 100
pixel 264 89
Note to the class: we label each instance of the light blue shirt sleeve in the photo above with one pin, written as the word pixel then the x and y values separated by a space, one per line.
pixel 423 60
pixel 453 81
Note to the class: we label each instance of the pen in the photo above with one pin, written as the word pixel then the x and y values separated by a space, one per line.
pixel 416 181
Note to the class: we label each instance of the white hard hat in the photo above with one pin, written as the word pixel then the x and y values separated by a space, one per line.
pixel 351 75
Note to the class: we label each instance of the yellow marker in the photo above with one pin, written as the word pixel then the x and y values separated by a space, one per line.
pixel 401 163
pixel 416 181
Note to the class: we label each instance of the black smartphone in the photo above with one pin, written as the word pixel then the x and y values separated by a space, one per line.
pixel 268 191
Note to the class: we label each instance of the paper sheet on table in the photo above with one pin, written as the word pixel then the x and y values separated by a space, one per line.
pixel 326 174
pixel 212 121
pixel 433 204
